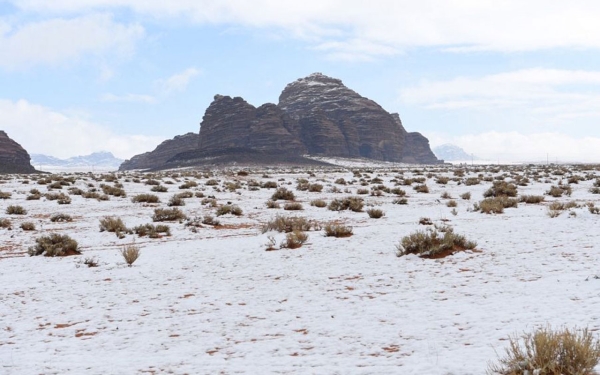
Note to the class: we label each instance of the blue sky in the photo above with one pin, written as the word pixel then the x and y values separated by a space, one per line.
pixel 508 80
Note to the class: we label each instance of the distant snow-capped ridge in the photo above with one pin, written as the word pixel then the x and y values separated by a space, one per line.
pixel 450 152
pixel 96 159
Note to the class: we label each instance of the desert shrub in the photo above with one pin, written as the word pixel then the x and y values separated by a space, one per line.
pixel 113 190
pixel 593 209
pixel 188 185
pixel 399 192
pixel 362 191
pixel 145 198
pixel 337 230
pixel 547 351
pixel 176 200
pixel 595 190
pixel 35 191
pixel 466 196
pixel 288 224
pixel 159 189
pixel 315 188
pixel 212 202
pixel 293 206
pixel 34 197
pixel 402 201
pixel 209 220
pixel 114 225
pixel 212 182
pixel 272 204
pixel 95 195
pixel 375 213
pixel 63 199
pixel 531 199
pixel 355 204
pixel 558 191
pixel 318 203
pixel 15 210
pixel 446 195
pixel 497 205
pixel 340 181
pixel 442 180
pixel 185 194
pixel 75 191
pixel 229 209
pixel 130 254
pixel 27 226
pixel 294 240
pixel 283 194
pixel 451 203
pixel 55 185
pixel 152 231
pixel 432 243
pixel 61 218
pixel 168 214
pixel 199 194
pixel 425 221
pixel 501 189
pixel 269 185
pixel 5 223
pixel 5 195
pixel 52 196
pixel 470 181
pixel 54 245
pixel 421 188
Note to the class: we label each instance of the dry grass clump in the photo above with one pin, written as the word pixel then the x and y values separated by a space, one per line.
pixel 28 226
pixel 446 195
pixel 114 225
pixel 130 254
pixel 337 230
pixel 402 201
pixel 320 203
pixel 209 220
pixel 268 185
pixel 152 231
pixel 168 214
pixel 145 198
pixel 272 204
pixel 431 243
pixel 531 199
pixel 425 221
pixel 451 203
pixel 288 224
pixel 558 191
pixel 5 195
pixel 355 204
pixel 315 188
pixel 229 209
pixel 5 224
pixel 294 240
pixel 495 205
pixel 550 352
pixel 470 181
pixel 592 208
pixel 501 189
pixel 375 213
pixel 113 190
pixel 442 180
pixel 398 192
pixel 595 190
pixel 159 189
pixel 283 194
pixel 421 188
pixel 15 210
pixel 95 195
pixel 61 218
pixel 54 245
pixel 293 206
pixel 188 185
pixel 176 201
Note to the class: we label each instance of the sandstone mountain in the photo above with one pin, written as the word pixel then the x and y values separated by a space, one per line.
pixel 316 116
pixel 163 152
pixel 13 157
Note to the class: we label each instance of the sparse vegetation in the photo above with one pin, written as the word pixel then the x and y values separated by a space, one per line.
pixel 114 225
pixel 145 198
pixel 293 206
pixel 152 231
pixel 501 189
pixel 294 240
pixel 168 214
pixel 283 194
pixel 5 223
pixel 61 218
pixel 318 203
pixel 130 254
pixel 349 203
pixel 54 245
pixel 375 213
pixel 28 226
pixel 288 224
pixel 229 209
pixel 337 230
pixel 531 199
pixel 15 210
pixel 432 243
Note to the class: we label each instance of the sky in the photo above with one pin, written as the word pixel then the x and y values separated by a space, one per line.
pixel 505 80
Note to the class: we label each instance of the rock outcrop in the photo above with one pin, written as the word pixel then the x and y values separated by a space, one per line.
pixel 316 115
pixel 13 157
pixel 163 152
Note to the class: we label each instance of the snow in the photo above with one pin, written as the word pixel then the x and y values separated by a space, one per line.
pixel 216 302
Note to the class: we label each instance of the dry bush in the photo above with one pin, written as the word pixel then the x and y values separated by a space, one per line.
pixel 212 182
pixel 451 203
pixel 375 213
pixel 269 185
pixel 159 189
pixel 176 200
pixel 470 181
pixel 54 245
pixel 188 185
pixel 294 240
pixel 113 190
pixel 425 221
pixel 398 192
pixel 595 190
pixel 114 225
pixel 558 191
pixel 592 208
pixel 402 201
pixel 421 188
pixel 28 226
pixel 442 180
pixel 501 189
pixel 212 202
pixel 362 191
pixel 560 206
pixel 531 199
pixel 130 254
pixel 272 204
pixel 550 352
pixel 318 203
pixel 5 195
pixel 34 197
pixel 5 224
pixel 283 194
pixel 315 188
pixel 61 218
pixel 15 210
pixel 496 205
pixel 466 196
pixel 75 191
pixel 168 214
pixel 288 224
pixel 293 206
pixel 229 209
pixel 209 220
pixel 145 198
pixel 63 199
pixel 446 195
pixel 432 244
pixel 337 230
pixel 152 231
pixel 349 203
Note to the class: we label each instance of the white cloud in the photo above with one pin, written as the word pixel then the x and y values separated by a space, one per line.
pixel 177 82
pixel 56 41
pixel 44 131
pixel 128 98
pixel 518 147
pixel 455 25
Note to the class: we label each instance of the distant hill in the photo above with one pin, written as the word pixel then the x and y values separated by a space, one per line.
pixel 450 152
pixel 97 159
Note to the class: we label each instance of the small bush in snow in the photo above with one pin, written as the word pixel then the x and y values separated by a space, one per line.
pixel 15 210
pixel 130 254
pixel 375 213
pixel 283 194
pixel 54 245
pixel 432 243
pixel 168 214
pixel 337 230
pixel 145 198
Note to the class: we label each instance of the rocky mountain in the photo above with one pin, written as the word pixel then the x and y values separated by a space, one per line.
pixel 316 115
pixel 452 152
pixel 163 152
pixel 13 157
pixel 96 159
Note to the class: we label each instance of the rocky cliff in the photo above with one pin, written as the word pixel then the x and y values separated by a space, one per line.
pixel 316 115
pixel 13 157
pixel 163 152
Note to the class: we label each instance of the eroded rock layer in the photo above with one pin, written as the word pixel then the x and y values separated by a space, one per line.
pixel 13 157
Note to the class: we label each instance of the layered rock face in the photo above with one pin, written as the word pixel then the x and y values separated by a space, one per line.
pixel 13 157
pixel 316 115
pixel 163 152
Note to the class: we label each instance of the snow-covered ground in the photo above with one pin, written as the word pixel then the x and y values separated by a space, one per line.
pixel 215 302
